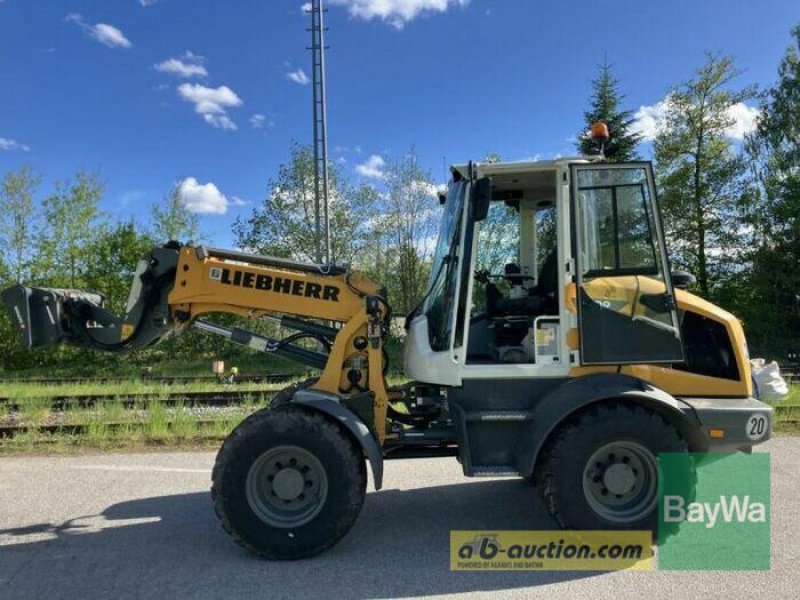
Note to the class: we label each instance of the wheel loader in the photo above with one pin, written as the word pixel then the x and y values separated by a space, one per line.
pixel 553 343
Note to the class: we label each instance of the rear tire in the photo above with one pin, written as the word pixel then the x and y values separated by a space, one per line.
pixel 600 470
pixel 288 483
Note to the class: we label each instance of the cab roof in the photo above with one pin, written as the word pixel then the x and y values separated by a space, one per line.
pixel 488 169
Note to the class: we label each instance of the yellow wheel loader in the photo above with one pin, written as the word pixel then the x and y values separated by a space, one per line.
pixel 552 344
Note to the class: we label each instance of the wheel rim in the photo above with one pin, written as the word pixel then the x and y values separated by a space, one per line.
pixel 286 486
pixel 620 482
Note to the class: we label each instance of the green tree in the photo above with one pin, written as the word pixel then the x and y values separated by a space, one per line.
pixel 284 224
pixel 407 230
pixel 72 218
pixel 18 221
pixel 112 260
pixel 173 221
pixel 701 175
pixel 605 106
pixel 775 216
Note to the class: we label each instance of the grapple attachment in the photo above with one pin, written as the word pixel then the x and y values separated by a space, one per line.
pixel 46 316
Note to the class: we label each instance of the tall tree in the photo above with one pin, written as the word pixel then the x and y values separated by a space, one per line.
pixel 284 224
pixel 775 153
pixel 71 214
pixel 606 106
pixel 408 228
pixel 701 174
pixel 18 222
pixel 172 220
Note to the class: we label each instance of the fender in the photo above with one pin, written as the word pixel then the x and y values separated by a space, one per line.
pixel 330 405
pixel 577 393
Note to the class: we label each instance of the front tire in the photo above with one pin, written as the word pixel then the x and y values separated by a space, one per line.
pixel 288 483
pixel 600 470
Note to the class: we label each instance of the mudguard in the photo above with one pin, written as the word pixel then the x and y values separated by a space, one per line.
pixel 577 393
pixel 331 405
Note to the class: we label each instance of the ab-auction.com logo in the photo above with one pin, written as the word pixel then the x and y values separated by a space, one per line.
pixel 715 516
pixel 550 550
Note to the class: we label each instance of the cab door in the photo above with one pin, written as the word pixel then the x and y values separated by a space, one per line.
pixel 625 299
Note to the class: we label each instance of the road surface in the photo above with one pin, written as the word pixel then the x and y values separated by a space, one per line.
pixel 141 526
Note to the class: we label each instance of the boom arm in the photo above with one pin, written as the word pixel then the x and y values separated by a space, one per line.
pixel 175 285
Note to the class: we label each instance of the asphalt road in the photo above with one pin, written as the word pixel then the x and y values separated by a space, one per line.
pixel 141 526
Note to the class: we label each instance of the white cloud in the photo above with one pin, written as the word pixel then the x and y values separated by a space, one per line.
pixel 306 7
pixel 211 103
pixel 650 119
pixel 102 32
pixel 745 120
pixel 236 201
pixel 186 65
pixel 202 198
pixel 298 76
pixel 373 168
pixel 425 188
pixel 395 12
pixel 259 121
pixel 10 145
pixel 147 2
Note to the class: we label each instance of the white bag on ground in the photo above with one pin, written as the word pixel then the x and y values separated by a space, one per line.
pixel 768 380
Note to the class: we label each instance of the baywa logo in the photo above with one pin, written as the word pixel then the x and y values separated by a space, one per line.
pixel 728 508
pixel 715 515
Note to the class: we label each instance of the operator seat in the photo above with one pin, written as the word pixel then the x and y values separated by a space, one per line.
pixel 542 299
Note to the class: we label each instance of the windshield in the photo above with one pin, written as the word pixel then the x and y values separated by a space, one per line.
pixel 439 303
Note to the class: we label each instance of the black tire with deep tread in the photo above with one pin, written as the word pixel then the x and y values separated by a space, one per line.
pixel 288 424
pixel 559 472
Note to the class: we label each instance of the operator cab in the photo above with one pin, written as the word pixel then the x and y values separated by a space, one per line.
pixel 542 267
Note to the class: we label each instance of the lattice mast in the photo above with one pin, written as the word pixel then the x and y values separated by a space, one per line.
pixel 320 121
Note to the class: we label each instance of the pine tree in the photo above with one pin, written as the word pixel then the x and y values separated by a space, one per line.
pixel 772 314
pixel 606 107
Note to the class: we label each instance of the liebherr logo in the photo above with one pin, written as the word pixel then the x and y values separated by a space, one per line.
pixel 278 285
pixel 729 508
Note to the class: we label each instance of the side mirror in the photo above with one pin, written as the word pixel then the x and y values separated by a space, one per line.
pixel 481 197
pixel 682 280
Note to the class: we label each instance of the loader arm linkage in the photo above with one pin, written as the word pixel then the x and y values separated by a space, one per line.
pixel 175 285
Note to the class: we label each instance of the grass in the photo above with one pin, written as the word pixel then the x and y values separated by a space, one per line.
pixel 35 410
pixel 787 413
pixel 110 425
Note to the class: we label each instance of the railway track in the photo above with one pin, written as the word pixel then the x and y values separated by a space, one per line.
pixel 10 431
pixel 161 380
pixel 131 401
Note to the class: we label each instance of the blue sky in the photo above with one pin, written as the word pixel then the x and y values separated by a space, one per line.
pixel 149 92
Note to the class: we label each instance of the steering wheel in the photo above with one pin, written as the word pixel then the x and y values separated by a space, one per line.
pixel 483 276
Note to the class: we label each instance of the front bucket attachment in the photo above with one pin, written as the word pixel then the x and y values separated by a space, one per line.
pixel 39 314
